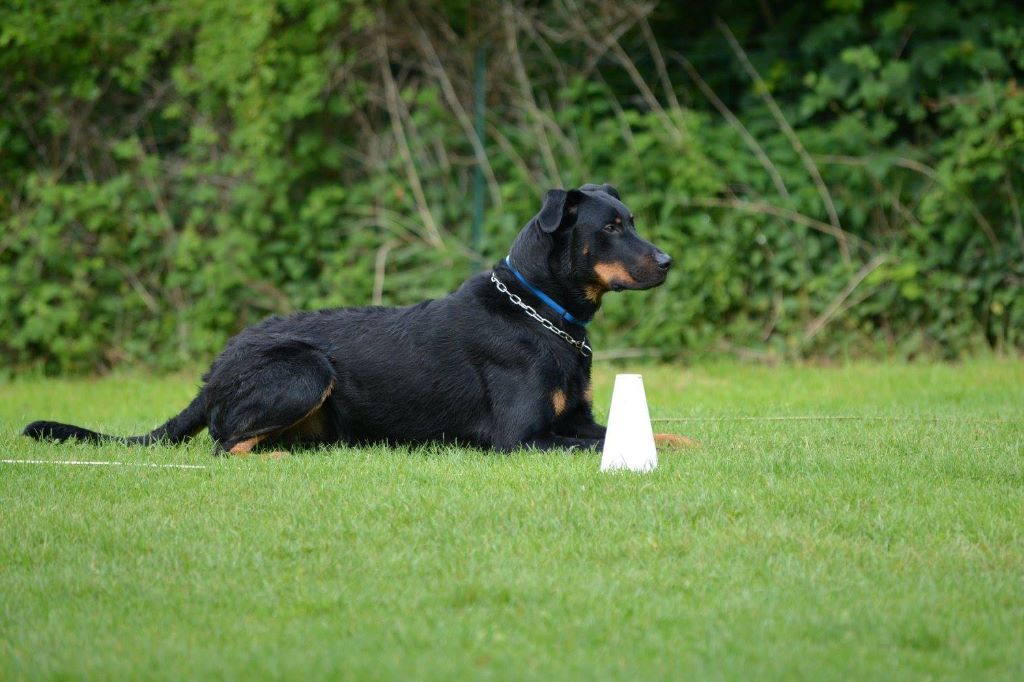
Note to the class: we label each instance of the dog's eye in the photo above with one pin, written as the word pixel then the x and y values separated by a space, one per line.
pixel 612 227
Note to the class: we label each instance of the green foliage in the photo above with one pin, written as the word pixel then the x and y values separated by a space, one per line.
pixel 171 174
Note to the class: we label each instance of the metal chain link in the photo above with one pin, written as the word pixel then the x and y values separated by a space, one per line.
pixel 581 346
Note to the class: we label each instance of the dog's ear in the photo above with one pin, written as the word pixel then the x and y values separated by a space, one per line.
pixel 606 188
pixel 559 205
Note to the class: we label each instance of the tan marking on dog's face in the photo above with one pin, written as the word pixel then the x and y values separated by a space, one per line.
pixel 558 401
pixel 613 273
pixel 672 440
pixel 246 446
pixel 586 249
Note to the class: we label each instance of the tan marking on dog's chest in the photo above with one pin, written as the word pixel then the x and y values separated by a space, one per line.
pixel 588 394
pixel 558 401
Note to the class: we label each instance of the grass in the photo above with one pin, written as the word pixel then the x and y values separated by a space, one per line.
pixel 886 545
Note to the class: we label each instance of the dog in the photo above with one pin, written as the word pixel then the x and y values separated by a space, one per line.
pixel 502 363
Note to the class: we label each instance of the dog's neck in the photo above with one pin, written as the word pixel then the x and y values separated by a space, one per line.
pixel 550 269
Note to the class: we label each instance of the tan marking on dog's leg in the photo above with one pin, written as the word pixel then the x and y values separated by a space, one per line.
pixel 672 440
pixel 558 401
pixel 323 396
pixel 309 428
pixel 245 446
pixel 613 273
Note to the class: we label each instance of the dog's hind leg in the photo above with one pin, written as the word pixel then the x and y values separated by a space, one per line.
pixel 257 398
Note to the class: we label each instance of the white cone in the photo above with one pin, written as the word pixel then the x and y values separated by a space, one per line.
pixel 629 443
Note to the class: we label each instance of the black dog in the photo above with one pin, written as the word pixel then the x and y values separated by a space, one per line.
pixel 502 362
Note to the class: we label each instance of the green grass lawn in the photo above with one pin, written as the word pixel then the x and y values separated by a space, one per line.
pixel 889 544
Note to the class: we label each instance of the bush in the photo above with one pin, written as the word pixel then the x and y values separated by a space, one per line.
pixel 174 173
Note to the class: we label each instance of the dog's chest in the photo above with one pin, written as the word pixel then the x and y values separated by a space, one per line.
pixel 568 387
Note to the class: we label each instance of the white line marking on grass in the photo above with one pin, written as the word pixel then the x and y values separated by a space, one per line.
pixel 76 462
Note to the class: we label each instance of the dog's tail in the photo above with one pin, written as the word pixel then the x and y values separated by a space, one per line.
pixel 177 429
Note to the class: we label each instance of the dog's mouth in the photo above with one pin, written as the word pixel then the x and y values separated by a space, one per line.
pixel 621 278
pixel 647 280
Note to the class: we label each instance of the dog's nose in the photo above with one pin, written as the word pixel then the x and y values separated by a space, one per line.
pixel 663 260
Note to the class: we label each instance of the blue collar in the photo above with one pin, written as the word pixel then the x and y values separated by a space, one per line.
pixel 562 312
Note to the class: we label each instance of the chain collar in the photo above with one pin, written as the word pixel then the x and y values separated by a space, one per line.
pixel 580 346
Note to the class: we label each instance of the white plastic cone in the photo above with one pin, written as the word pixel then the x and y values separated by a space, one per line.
pixel 629 443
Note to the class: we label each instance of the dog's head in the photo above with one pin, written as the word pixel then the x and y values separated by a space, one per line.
pixel 588 239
